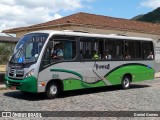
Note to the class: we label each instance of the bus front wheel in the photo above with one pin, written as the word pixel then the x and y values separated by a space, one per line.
pixel 126 82
pixel 52 90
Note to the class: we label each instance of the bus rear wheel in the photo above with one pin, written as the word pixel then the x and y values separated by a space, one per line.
pixel 52 90
pixel 126 82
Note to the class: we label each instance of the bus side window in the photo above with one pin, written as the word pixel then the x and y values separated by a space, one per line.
pixel 110 51
pixel 69 50
pixel 91 48
pixel 148 50
pixel 107 55
pixel 150 56
pixel 130 49
pixel 119 49
pixel 81 55
pixel 138 50
pixel 86 45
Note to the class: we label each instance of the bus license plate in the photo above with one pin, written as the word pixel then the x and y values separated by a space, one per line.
pixel 13 88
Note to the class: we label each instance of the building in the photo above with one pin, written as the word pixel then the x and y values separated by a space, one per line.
pixel 97 24
pixel 6 39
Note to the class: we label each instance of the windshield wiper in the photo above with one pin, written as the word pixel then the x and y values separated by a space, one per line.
pixel 15 54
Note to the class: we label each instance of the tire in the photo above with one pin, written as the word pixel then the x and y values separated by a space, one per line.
pixel 126 82
pixel 52 90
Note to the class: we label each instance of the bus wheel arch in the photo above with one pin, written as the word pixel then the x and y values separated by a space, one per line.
pixel 126 81
pixel 53 88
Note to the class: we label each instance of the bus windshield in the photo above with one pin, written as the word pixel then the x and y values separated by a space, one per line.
pixel 28 48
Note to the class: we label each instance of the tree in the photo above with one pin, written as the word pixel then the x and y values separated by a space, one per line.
pixel 6 49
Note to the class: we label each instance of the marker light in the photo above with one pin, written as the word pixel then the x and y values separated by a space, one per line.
pixel 43 83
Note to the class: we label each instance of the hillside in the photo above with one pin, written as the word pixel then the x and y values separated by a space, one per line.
pixel 153 16
pixel 137 17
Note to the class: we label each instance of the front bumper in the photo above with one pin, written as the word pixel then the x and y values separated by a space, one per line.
pixel 28 84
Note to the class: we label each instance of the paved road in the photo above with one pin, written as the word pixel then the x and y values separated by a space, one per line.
pixel 144 96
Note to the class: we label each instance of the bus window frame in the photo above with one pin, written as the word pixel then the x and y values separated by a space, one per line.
pixel 78 39
pixel 153 50
pixel 63 60
pixel 123 41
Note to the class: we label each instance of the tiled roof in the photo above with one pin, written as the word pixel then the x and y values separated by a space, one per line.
pixel 6 39
pixel 97 21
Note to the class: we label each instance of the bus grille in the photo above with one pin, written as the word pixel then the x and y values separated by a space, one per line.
pixel 17 74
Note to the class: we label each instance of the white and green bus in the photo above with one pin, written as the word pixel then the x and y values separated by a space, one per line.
pixel 84 60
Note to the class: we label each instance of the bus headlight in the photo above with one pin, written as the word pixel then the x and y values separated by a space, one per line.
pixel 30 73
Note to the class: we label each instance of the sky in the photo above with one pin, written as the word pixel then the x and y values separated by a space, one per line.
pixel 19 13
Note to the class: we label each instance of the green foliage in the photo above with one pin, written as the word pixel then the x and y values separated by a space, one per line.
pixel 6 49
pixel 137 17
pixel 153 16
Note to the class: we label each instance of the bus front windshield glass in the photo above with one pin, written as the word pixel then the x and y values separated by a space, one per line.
pixel 28 48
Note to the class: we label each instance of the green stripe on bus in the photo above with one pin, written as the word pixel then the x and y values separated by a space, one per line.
pixel 138 73
pixel 73 84
pixel 67 71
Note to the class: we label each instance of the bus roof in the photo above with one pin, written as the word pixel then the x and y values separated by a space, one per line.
pixel 85 34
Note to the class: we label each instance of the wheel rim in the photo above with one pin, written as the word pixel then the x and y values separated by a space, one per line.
pixel 53 90
pixel 126 82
